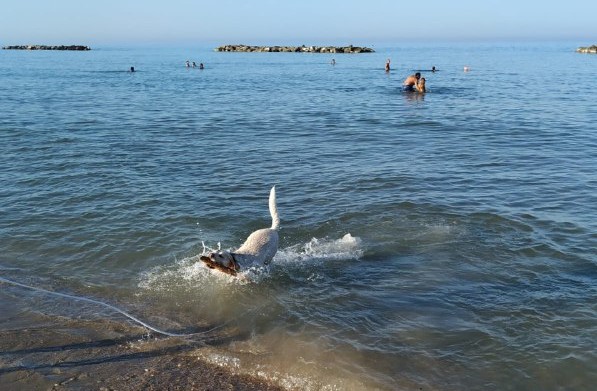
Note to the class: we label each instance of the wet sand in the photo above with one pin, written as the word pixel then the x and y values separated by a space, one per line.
pixel 66 354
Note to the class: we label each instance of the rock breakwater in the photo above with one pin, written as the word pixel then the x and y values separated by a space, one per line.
pixel 47 47
pixel 294 49
pixel 587 49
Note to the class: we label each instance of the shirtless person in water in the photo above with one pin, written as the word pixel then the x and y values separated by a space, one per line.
pixel 410 83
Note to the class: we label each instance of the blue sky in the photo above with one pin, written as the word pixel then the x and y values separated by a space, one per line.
pixel 293 21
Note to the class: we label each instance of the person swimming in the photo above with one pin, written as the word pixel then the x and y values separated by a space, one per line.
pixel 388 65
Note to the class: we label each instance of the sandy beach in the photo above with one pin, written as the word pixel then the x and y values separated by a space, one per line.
pixel 104 355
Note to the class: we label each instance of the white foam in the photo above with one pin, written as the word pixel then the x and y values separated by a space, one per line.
pixel 297 374
pixel 267 372
pixel 347 247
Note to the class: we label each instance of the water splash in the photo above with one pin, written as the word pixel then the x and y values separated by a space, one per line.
pixel 318 250
pixel 192 273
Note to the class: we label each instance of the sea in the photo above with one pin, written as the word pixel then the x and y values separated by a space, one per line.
pixel 436 241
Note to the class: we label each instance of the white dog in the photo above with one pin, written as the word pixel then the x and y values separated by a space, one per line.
pixel 258 250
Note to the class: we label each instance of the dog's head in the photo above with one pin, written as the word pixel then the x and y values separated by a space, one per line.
pixel 224 258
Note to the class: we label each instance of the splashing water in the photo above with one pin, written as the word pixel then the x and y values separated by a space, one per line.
pixel 194 273
pixel 321 250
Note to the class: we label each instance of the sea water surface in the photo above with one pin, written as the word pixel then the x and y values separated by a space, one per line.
pixel 439 241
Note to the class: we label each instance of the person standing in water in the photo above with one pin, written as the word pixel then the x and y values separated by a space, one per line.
pixel 411 82
pixel 388 65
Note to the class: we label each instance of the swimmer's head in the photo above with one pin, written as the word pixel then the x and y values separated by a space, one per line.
pixel 418 75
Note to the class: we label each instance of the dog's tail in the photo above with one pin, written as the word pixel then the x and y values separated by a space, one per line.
pixel 273 210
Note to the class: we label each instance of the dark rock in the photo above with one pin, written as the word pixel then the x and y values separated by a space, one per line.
pixel 589 49
pixel 47 47
pixel 296 49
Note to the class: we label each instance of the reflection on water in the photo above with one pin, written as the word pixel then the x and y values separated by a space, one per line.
pixel 413 96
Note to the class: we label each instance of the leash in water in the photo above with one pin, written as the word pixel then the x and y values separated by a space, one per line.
pixel 113 308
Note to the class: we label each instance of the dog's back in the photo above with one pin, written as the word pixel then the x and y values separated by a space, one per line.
pixel 262 245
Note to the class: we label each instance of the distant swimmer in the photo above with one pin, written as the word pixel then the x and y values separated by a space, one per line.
pixel 132 69
pixel 466 68
pixel 410 83
pixel 194 65
pixel 333 61
pixel 388 65
pixel 188 64
pixel 201 66
pixel 433 69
